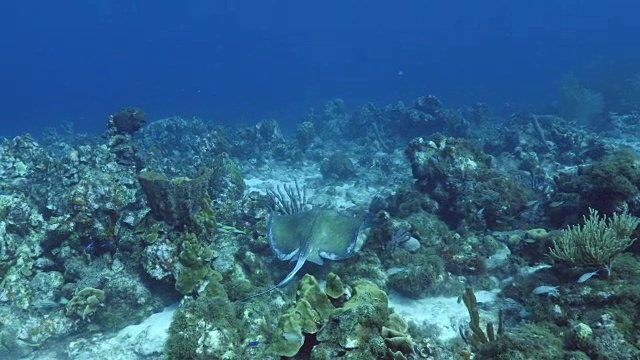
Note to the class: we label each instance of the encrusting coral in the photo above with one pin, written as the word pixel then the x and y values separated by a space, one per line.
pixel 362 325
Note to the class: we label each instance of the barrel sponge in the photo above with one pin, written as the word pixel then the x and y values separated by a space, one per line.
pixel 173 201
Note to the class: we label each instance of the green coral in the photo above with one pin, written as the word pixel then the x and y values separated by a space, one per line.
pixel 537 234
pixel 334 288
pixel 310 291
pixel 195 271
pixel 312 309
pixel 396 337
pixel 204 222
pixel 289 337
pixel 354 327
pixel 85 303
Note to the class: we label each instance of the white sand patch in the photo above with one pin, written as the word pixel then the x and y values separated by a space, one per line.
pixel 272 179
pixel 444 314
pixel 148 337
pixel 142 341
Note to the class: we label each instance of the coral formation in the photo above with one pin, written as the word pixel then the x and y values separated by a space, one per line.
pixel 128 120
pixel 361 326
pixel 337 166
pixel 120 129
pixel 305 134
pixel 85 303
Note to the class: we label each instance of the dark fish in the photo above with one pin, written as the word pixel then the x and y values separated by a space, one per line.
pixel 98 247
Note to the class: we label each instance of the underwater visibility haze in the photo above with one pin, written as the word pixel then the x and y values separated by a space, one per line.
pixel 238 61
pixel 338 180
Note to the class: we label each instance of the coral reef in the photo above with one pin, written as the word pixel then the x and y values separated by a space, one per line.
pixel 460 177
pixel 98 233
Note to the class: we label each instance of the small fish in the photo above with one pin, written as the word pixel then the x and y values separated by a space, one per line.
pixel 97 247
pixel 226 229
pixel 531 203
pixel 587 276
pixel 556 204
pixel 46 304
pixel 550 291
pixel 29 343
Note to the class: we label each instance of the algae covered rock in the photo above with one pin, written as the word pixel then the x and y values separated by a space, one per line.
pixel 581 335
pixel 203 328
pixel 120 129
pixel 173 201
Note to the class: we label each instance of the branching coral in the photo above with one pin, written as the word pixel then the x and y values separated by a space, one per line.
pixel 477 337
pixel 597 242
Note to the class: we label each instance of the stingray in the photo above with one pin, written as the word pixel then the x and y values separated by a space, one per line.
pixel 311 235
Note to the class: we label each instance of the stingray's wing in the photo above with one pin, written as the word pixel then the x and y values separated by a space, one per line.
pixel 335 235
pixel 287 233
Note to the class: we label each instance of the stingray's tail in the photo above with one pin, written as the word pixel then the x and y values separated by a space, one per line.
pixel 263 292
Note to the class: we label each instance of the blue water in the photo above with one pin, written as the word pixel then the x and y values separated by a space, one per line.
pixel 241 61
